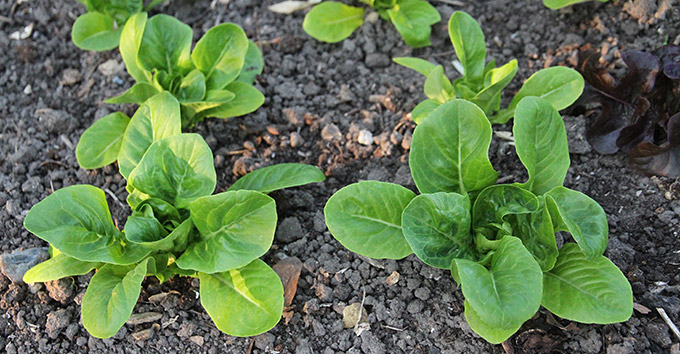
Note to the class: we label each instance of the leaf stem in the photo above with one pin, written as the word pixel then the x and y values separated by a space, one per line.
pixel 152 4
pixel 484 244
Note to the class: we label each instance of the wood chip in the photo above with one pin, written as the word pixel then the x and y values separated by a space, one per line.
pixel 146 317
pixel 146 333
pixel 641 308
pixel 289 270
pixel 392 278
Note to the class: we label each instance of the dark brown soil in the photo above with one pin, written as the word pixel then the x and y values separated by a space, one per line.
pixel 325 94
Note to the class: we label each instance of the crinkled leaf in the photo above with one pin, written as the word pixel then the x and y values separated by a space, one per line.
pixel 236 228
pixel 100 143
pixel 166 45
pixel 366 218
pixel 159 117
pixel 437 86
pixel 660 160
pixel 220 54
pixel 60 266
pixel 587 290
pixel 506 294
pixel 496 202
pixel 138 94
pixel 280 176
pixel 143 227
pixel 130 40
pixel 541 144
pixel 243 302
pixel 582 217
pixel 449 151
pixel 437 227
pixel 420 65
pixel 423 109
pixel 111 297
pixel 95 31
pixel 76 220
pixel 497 79
pixel 468 41
pixel 537 234
pixel 253 64
pixel 178 169
pixel 412 19
pixel 332 21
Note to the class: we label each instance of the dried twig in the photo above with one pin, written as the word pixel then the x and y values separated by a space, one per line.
pixel 668 321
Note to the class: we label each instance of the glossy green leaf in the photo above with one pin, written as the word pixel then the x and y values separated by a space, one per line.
pixel 253 64
pixel 468 42
pixel 497 79
pixel 366 218
pixel 138 94
pixel 280 176
pixel 247 100
pixel 423 109
pixel 541 144
pixel 537 234
pixel 165 212
pixel 243 302
pixel 558 4
pixel 561 86
pixel 166 45
pixel 192 87
pixel 587 290
pixel 437 86
pixel 100 143
pixel 130 40
pixel 420 65
pixel 95 31
pixel 449 152
pixel 496 202
pixel 173 241
pixel 236 228
pixel 332 21
pixel 437 227
pixel 220 54
pixel 143 227
pixel 60 266
pixel 178 169
pixel 159 117
pixel 492 333
pixel 582 217
pixel 412 19
pixel 212 99
pixel 506 294
pixel 76 220
pixel 111 297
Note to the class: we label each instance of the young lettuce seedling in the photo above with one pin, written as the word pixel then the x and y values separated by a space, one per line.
pixel 99 29
pixel 213 80
pixel 333 21
pixel 498 240
pixel 177 227
pixel 482 83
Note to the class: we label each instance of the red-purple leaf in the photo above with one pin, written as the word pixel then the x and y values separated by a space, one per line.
pixel 660 160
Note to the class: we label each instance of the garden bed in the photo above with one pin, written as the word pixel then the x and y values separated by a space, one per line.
pixel 320 99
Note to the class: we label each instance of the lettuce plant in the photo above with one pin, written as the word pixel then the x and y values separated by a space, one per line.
pixel 177 227
pixel 213 80
pixel 482 83
pixel 498 240
pixel 333 21
pixel 99 29
pixel 558 4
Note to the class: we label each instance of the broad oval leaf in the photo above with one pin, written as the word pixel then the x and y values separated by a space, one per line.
pixel 496 202
pixel 60 266
pixel 582 217
pixel 437 86
pixel 495 81
pixel 166 45
pixel 280 176
pixel 420 65
pixel 236 228
pixel 100 143
pixel 94 31
pixel 508 293
pixel 220 54
pixel 111 296
pixel 130 40
pixel 437 227
pixel 559 85
pixel 138 94
pixel 76 220
pixel 178 169
pixel 423 109
pixel 412 19
pixel 174 241
pixel 541 144
pixel 332 21
pixel 143 227
pixel 243 302
pixel 449 152
pixel 587 290
pixel 247 99
pixel 253 64
pixel 468 42
pixel 192 87
pixel 365 217
pixel 491 333
pixel 158 118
